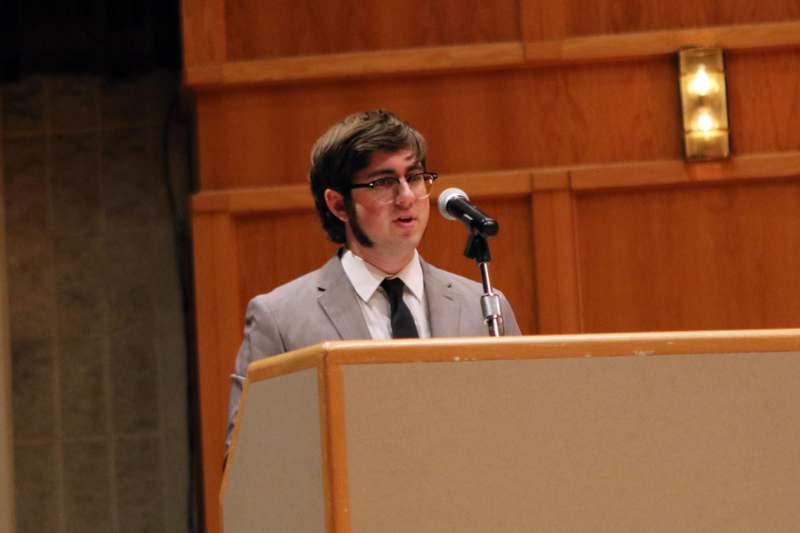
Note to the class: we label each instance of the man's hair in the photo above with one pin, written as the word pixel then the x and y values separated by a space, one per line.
pixel 347 148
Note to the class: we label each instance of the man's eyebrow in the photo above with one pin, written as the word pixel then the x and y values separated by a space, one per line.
pixel 380 172
pixel 383 171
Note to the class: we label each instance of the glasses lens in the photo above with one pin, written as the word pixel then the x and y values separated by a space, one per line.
pixel 385 190
pixel 421 185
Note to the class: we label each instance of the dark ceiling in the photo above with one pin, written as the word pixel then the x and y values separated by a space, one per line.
pixel 113 39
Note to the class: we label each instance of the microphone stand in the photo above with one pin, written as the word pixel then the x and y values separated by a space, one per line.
pixel 478 249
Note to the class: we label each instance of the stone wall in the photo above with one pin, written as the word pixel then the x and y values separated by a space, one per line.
pixel 98 352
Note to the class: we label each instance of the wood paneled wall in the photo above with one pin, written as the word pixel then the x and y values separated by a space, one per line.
pixel 559 117
pixel 259 29
pixel 572 18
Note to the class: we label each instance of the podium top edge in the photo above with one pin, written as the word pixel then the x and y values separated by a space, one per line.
pixel 463 349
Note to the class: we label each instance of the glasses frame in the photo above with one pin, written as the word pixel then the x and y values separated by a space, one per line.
pixel 432 176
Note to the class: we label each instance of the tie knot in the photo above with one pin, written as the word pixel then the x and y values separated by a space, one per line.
pixel 393 287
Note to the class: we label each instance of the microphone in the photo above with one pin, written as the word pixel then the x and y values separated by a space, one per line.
pixel 454 205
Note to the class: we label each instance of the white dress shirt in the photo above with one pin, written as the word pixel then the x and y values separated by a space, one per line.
pixel 366 280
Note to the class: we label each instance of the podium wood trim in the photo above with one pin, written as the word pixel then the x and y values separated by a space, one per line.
pixel 548 346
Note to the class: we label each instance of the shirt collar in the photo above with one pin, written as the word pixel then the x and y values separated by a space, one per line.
pixel 366 278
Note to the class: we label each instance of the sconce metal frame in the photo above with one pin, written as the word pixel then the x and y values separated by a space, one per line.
pixel 704 103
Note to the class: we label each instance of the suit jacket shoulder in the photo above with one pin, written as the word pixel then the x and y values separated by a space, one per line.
pixel 313 308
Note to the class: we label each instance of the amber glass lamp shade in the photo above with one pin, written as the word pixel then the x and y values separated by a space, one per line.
pixel 704 104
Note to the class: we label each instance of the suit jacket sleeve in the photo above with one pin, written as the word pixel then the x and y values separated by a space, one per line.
pixel 262 338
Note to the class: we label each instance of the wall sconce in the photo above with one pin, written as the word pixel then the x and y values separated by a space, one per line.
pixel 704 104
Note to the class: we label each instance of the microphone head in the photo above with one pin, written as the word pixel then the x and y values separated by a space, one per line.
pixel 446 196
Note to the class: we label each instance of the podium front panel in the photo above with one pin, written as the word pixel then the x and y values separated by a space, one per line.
pixel 660 444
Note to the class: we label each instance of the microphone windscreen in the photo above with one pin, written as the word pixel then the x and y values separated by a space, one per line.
pixel 446 196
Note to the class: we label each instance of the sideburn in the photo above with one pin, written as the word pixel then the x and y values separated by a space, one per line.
pixel 355 227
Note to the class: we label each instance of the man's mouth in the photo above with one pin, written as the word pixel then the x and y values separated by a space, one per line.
pixel 404 220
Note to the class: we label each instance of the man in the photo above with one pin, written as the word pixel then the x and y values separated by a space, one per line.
pixel 371 190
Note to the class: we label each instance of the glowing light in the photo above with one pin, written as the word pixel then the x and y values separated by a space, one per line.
pixel 705 122
pixel 701 83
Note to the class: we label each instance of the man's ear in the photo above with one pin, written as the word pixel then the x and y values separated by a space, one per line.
pixel 335 202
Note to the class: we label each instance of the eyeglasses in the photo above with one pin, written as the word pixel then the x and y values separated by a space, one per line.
pixel 386 189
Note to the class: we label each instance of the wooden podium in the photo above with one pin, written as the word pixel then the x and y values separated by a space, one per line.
pixel 672 432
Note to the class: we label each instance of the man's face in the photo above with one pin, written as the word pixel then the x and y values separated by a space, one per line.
pixel 395 228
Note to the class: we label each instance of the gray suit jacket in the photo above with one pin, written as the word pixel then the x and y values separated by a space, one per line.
pixel 322 306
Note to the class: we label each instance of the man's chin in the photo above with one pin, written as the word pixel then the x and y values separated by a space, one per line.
pixel 407 243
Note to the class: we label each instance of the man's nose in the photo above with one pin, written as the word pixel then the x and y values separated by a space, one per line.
pixel 405 196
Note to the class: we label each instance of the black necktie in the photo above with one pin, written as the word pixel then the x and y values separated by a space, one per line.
pixel 402 322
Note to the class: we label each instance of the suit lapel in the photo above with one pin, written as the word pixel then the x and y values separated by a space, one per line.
pixel 339 301
pixel 444 311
